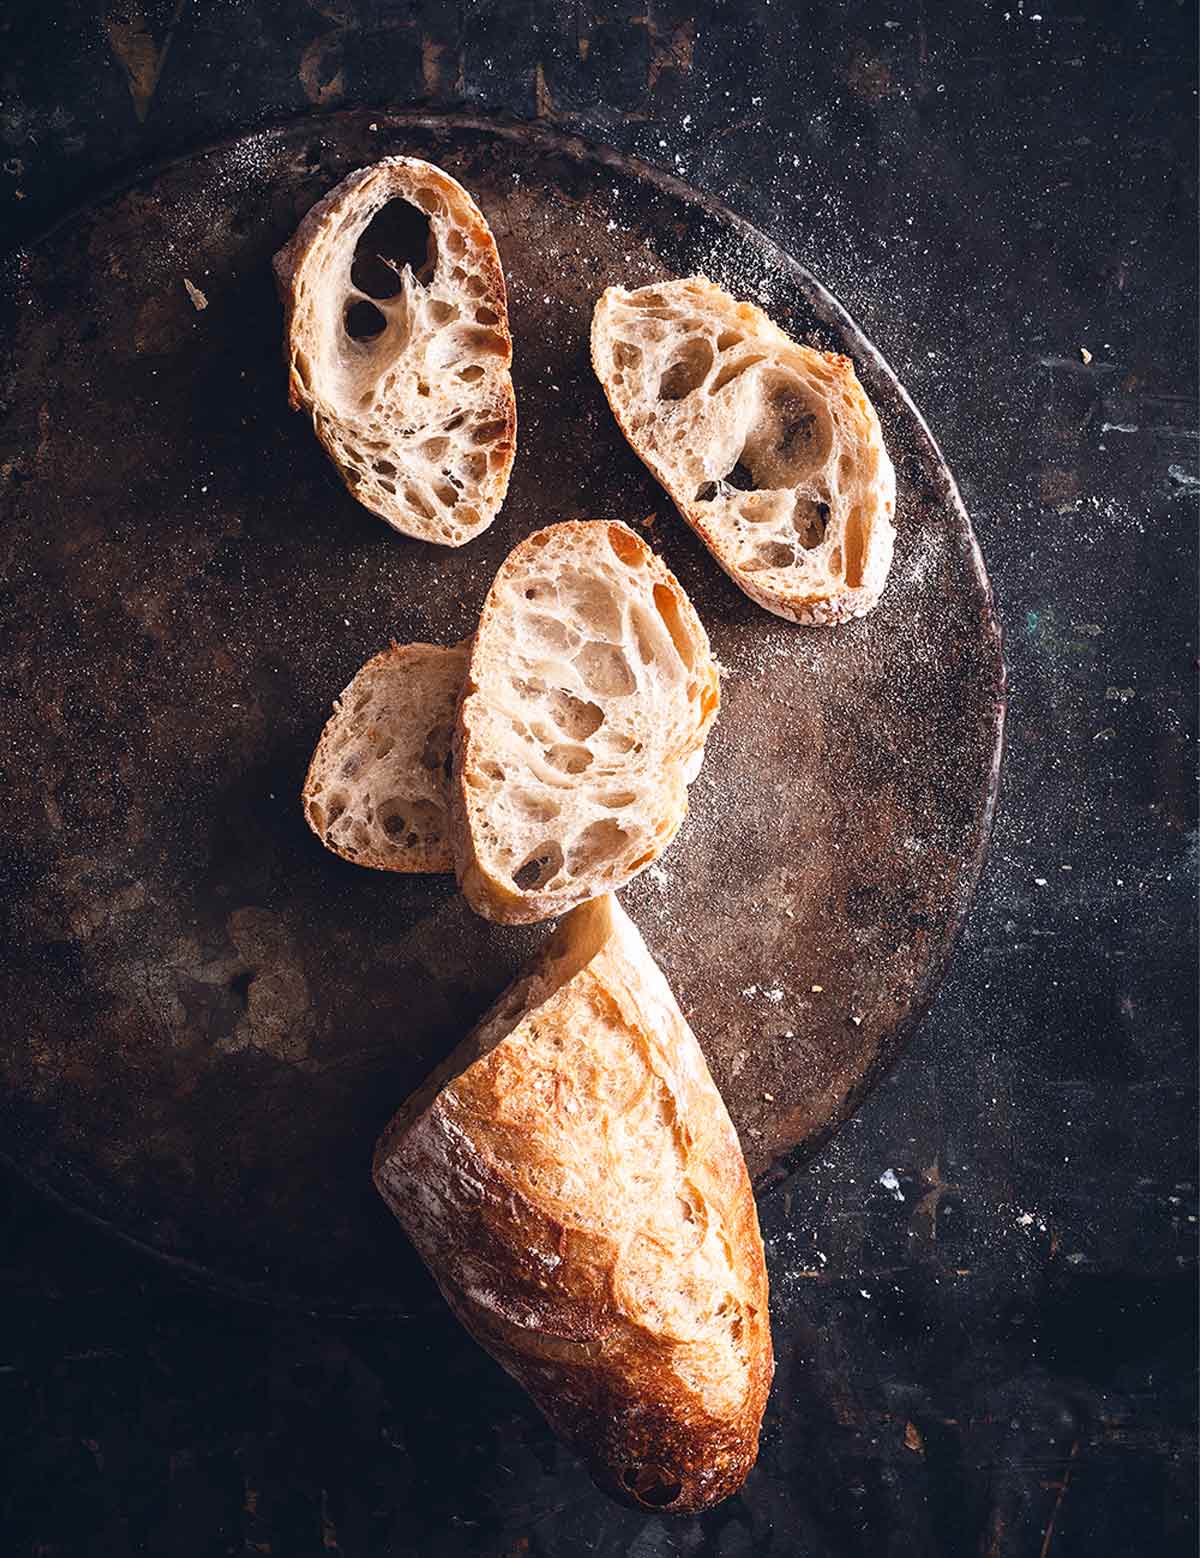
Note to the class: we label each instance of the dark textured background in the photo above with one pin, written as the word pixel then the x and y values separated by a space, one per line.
pixel 1002 1362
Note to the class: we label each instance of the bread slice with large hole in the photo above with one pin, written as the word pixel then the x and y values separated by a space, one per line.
pixel 397 345
pixel 589 695
pixel 771 451
pixel 571 1178
pixel 377 786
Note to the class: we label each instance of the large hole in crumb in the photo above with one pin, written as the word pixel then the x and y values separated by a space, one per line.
pixel 539 808
pixel 573 716
pixel 769 554
pixel 688 372
pixel 652 1485
pixel 569 759
pixel 810 520
pixel 627 547
pixel 668 609
pixel 540 866
pixel 397 235
pixel 594 608
pixel 436 749
pixel 363 321
pixel 791 437
pixel 598 845
pixel 856 546
pixel 605 669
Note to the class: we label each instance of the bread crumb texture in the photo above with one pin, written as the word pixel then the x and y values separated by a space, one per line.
pixel 590 694
pixel 771 451
pixel 376 791
pixel 398 347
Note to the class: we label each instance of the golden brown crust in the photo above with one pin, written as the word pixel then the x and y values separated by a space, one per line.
pixel 574 1184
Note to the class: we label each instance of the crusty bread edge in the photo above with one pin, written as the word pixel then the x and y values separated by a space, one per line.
pixel 287 262
pixel 487 894
pixel 435 864
pixel 806 610
pixel 711 1457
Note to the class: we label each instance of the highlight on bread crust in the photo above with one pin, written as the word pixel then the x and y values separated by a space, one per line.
pixel 771 451
pixel 376 790
pixel 571 1178
pixel 397 344
pixel 589 695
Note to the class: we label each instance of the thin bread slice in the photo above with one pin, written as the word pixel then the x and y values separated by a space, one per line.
pixel 376 791
pixel 572 1180
pixel 397 345
pixel 771 451
pixel 589 695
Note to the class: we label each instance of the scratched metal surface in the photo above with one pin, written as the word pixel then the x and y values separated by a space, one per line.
pixel 1003 1361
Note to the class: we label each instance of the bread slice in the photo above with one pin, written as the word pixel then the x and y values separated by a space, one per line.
pixel 590 691
pixel 572 1180
pixel 397 344
pixel 771 451
pixel 376 791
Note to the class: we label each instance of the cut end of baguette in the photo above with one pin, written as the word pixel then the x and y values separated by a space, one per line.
pixel 398 347
pixel 589 696
pixel 771 451
pixel 377 786
pixel 572 1179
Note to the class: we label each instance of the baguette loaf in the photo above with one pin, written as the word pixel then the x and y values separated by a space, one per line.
pixel 588 698
pixel 376 791
pixel 771 451
pixel 572 1180
pixel 397 344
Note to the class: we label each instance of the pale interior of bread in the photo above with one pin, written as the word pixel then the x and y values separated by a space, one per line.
pixel 770 448
pixel 399 338
pixel 376 791
pixel 593 691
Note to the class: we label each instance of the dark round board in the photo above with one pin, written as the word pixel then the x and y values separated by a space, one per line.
pixel 207 1017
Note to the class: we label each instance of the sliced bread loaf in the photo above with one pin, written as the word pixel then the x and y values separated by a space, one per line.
pixel 376 791
pixel 771 451
pixel 397 344
pixel 571 1178
pixel 588 698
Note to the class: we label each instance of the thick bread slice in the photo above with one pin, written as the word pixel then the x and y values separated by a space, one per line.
pixel 572 1180
pixel 589 695
pixel 397 344
pixel 376 788
pixel 771 451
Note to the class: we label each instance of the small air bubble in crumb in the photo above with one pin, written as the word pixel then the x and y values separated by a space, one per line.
pixel 199 301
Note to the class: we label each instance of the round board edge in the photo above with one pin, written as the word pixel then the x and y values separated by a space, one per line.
pixel 832 312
